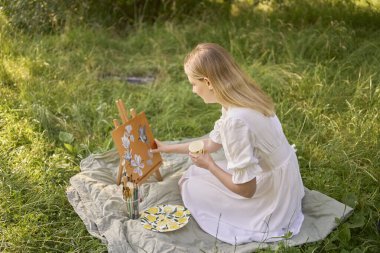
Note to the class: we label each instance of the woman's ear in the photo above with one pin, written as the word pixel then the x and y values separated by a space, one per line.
pixel 208 83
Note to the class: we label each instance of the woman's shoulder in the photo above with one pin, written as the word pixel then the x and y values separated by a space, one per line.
pixel 250 117
pixel 244 113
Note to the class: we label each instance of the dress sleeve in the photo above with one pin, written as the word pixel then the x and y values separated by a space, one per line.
pixel 215 133
pixel 240 152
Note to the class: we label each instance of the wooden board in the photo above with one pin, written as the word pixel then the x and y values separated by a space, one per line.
pixel 133 140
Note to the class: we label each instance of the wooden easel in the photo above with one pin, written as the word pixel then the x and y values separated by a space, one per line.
pixel 133 140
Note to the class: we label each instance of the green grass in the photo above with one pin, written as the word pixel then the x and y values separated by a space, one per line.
pixel 322 70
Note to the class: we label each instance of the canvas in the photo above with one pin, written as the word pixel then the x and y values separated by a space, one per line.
pixel 133 140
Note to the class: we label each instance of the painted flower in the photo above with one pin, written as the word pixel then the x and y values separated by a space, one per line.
pixel 128 128
pixel 138 171
pixel 137 165
pixel 142 134
pixel 128 133
pixel 126 142
pixel 128 155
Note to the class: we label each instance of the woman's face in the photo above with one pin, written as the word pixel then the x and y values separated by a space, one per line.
pixel 203 88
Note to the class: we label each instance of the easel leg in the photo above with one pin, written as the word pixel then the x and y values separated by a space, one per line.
pixel 119 173
pixel 158 175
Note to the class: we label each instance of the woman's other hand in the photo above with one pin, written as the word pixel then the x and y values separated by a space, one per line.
pixel 204 161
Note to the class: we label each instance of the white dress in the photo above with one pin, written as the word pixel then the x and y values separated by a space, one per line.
pixel 255 147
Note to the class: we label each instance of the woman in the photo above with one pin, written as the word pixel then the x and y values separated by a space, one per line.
pixel 256 193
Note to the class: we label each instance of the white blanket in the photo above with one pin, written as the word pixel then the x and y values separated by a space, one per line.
pixel 98 201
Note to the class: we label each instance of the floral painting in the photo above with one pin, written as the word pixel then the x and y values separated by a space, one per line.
pixel 133 140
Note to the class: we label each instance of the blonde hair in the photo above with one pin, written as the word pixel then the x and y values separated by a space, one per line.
pixel 231 85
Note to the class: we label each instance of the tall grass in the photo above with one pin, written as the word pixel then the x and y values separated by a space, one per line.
pixel 322 70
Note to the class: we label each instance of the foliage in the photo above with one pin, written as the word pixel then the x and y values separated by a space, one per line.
pixel 58 92
pixel 34 16
pixel 35 215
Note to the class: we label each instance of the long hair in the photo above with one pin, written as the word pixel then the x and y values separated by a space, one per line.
pixel 230 84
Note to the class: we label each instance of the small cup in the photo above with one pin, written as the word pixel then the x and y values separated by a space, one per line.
pixel 196 147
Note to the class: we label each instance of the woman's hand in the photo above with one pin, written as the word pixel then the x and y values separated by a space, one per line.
pixel 159 147
pixel 204 161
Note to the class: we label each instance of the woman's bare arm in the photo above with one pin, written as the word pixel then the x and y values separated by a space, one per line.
pixel 183 148
pixel 246 190
pixel 211 146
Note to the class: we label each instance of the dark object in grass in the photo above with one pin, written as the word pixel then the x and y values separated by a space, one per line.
pixel 138 80
pixel 378 226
